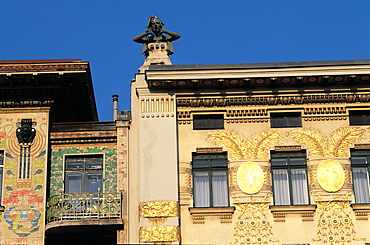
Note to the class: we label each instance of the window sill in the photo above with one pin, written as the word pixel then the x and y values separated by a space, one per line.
pixel 306 211
pixel 361 211
pixel 224 213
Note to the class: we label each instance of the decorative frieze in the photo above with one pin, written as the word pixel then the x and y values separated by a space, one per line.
pixel 157 107
pixel 279 100
pixel 324 110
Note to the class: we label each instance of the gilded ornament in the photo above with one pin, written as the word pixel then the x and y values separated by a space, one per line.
pixel 159 234
pixel 250 177
pixel 335 145
pixel 330 175
pixel 255 147
pixel 159 209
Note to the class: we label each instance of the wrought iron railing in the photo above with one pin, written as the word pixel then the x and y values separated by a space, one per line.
pixel 80 206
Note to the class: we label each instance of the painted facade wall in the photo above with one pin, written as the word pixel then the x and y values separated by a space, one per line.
pixel 24 195
pixel 57 164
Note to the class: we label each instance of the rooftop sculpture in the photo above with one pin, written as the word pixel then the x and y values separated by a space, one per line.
pixel 155 33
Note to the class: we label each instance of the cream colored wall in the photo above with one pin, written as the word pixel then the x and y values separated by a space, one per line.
pixel 153 157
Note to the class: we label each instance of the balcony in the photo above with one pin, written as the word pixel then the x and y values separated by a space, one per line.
pixel 92 217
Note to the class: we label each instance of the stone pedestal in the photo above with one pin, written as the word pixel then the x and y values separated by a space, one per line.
pixel 157 55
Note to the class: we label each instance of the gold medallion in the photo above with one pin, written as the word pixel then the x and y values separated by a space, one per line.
pixel 250 177
pixel 330 175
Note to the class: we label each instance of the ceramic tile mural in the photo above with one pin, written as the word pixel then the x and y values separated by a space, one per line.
pixel 110 165
pixel 22 221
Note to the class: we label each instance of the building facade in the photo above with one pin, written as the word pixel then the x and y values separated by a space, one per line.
pixel 62 172
pixel 272 153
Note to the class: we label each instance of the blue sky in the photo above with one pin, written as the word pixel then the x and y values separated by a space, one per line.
pixel 213 32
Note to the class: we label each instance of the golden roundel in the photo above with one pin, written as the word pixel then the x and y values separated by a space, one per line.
pixel 250 177
pixel 330 175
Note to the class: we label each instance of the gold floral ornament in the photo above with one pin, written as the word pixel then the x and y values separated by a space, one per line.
pixel 336 145
pixel 335 225
pixel 159 209
pixel 330 175
pixel 239 148
pixel 252 225
pixel 250 177
pixel 160 234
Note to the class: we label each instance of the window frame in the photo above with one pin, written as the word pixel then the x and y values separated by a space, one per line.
pixel 83 172
pixel 210 169
pixel 366 154
pixel 365 117
pixel 285 117
pixel 208 118
pixel 288 155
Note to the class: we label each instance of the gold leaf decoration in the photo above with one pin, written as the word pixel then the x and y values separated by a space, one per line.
pixel 159 209
pixel 255 147
pixel 158 234
pixel 335 225
pixel 341 139
pixel 319 145
pixel 253 224
pixel 313 139
pixel 232 141
pixel 262 142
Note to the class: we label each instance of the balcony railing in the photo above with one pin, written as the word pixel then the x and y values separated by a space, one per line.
pixel 82 206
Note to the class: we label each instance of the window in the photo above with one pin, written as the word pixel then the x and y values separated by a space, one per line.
pixel 359 117
pixel 282 120
pixel 210 184
pixel 360 175
pixel 84 173
pixel 215 121
pixel 1 173
pixel 289 176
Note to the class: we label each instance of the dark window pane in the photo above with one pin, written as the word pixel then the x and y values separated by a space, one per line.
pixel 359 160
pixel 216 123
pixel 219 163
pixel 1 158
pixel 200 163
pixel 277 122
pixel 279 162
pixel 75 163
pixel 293 121
pixel 94 163
pixel 208 121
pixel 94 181
pixel 359 117
pixel 355 120
pixel 200 123
pixel 297 161
pixel 74 183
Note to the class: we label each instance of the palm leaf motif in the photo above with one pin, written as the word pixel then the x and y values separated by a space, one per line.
pixel 232 141
pixel 336 145
pixel 313 139
pixel 341 139
pixel 255 147
pixel 262 142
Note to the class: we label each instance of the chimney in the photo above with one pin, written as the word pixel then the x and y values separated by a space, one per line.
pixel 115 106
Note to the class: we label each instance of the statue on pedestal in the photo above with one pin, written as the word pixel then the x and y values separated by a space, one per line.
pixel 155 33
